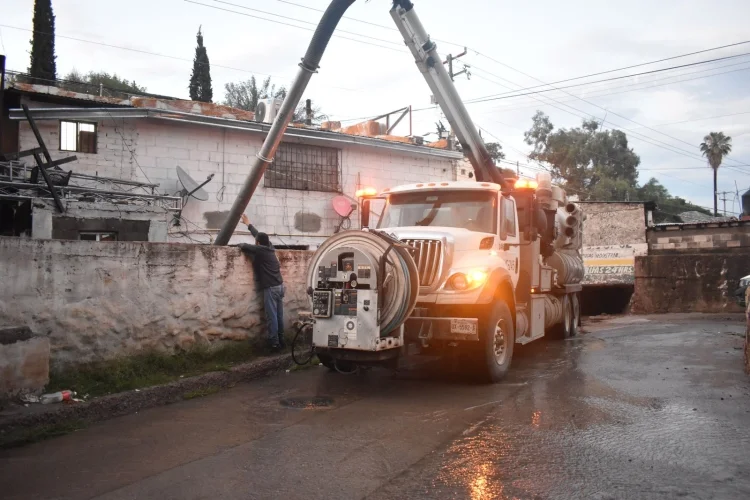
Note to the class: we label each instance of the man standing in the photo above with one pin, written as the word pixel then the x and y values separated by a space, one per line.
pixel 268 276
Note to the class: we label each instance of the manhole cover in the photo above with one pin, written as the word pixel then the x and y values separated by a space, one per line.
pixel 307 403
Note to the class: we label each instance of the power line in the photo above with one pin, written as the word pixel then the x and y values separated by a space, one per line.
pixel 338 30
pixel 604 109
pixel 632 86
pixel 509 95
pixel 370 23
pixel 293 25
pixel 635 135
pixel 626 67
pixel 157 54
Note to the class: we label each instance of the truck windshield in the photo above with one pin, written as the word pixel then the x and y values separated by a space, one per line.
pixel 472 210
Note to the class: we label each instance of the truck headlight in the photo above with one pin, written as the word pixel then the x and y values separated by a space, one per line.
pixel 468 280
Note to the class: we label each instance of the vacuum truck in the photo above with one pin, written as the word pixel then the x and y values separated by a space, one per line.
pixel 465 266
pixel 470 266
pixel 475 266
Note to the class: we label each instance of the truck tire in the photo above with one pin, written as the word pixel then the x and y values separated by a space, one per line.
pixel 567 324
pixel 327 361
pixel 575 305
pixel 496 339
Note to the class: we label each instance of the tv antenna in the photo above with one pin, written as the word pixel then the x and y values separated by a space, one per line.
pixel 190 189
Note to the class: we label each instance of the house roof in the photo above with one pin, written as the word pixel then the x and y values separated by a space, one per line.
pixel 693 217
pixel 209 114
pixel 309 135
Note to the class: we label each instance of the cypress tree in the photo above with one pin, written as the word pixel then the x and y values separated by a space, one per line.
pixel 200 80
pixel 43 69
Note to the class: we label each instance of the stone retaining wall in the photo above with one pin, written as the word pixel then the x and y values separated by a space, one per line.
pixel 99 300
pixel 689 283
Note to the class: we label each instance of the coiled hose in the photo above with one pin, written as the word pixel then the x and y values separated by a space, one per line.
pixel 398 294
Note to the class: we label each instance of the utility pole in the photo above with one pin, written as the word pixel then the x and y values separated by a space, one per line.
pixel 724 199
pixel 449 61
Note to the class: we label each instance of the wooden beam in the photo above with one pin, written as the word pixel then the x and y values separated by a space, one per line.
pixel 40 163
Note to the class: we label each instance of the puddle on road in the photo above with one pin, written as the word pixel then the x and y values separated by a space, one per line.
pixel 307 403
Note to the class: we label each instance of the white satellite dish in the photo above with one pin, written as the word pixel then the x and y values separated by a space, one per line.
pixel 191 188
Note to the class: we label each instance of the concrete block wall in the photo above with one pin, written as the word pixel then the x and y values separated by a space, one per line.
pixel 700 239
pixel 677 283
pixel 96 301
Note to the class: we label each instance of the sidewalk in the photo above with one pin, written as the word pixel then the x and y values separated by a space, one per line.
pixel 21 424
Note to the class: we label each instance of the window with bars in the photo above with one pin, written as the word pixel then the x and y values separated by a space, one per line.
pixel 305 168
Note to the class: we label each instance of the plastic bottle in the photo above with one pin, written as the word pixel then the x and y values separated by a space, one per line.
pixel 57 397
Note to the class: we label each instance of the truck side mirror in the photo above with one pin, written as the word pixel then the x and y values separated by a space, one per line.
pixel 501 220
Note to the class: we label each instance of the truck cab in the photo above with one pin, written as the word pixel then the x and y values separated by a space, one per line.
pixel 464 236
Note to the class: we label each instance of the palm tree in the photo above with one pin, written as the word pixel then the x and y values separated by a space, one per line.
pixel 715 147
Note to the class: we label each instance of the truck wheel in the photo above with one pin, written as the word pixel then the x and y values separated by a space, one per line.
pixel 496 338
pixel 576 314
pixel 567 325
pixel 326 361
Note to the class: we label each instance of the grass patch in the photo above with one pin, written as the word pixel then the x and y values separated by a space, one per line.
pixel 145 370
pixel 314 362
pixel 40 433
pixel 200 393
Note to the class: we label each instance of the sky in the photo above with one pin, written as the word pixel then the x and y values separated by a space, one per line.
pixel 367 71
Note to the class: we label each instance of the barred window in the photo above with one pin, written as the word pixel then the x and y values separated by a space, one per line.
pixel 305 168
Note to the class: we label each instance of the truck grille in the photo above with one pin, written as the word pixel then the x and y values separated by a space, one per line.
pixel 428 255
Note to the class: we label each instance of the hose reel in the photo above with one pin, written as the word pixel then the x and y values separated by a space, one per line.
pixel 394 273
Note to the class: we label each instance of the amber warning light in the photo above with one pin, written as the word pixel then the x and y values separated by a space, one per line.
pixel 367 192
pixel 526 184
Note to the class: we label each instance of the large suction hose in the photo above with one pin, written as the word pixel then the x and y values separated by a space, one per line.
pixel 398 285
pixel 308 66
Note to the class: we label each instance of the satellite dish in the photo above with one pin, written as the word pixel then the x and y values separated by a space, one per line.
pixel 342 206
pixel 190 188
pixel 260 111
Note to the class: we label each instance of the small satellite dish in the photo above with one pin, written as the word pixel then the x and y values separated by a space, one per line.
pixel 343 206
pixel 190 188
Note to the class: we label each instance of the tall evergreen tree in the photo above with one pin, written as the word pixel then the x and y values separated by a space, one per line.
pixel 43 69
pixel 200 80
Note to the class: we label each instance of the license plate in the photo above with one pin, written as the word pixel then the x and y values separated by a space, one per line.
pixel 463 326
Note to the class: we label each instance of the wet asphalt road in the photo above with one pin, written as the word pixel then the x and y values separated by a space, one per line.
pixel 652 407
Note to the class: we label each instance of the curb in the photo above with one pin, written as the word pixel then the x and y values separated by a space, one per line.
pixel 12 427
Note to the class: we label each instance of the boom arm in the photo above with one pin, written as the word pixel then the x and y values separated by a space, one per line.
pixel 428 62
pixel 430 65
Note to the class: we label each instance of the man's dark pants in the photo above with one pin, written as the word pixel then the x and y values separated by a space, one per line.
pixel 273 302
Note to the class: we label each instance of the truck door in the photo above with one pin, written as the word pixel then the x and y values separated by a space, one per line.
pixel 509 237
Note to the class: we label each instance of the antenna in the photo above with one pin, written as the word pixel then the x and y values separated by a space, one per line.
pixel 190 189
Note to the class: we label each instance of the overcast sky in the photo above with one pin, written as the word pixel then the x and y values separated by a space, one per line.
pixel 511 45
